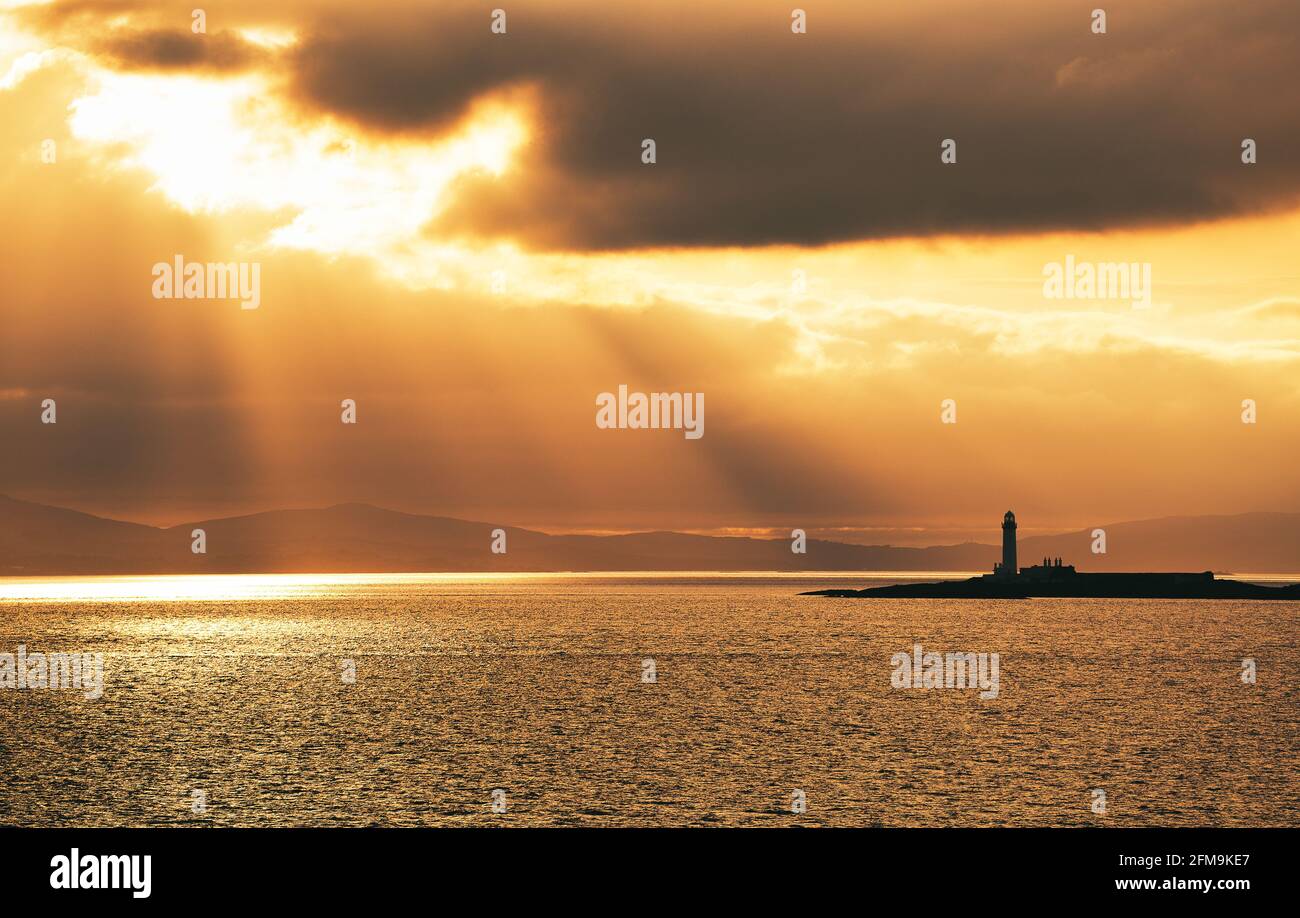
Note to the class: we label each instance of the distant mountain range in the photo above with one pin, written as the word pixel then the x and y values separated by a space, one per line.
pixel 36 539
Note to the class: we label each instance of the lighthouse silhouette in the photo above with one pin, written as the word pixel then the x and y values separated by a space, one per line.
pixel 1008 568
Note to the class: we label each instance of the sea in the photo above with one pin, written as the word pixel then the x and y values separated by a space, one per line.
pixel 638 700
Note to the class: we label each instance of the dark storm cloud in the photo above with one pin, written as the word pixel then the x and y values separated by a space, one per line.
pixel 768 137
pixel 141 35
pixel 174 50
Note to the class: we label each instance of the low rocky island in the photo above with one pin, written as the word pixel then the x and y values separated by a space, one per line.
pixel 1101 586
pixel 1053 578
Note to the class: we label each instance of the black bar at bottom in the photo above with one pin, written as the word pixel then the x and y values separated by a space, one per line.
pixel 651 868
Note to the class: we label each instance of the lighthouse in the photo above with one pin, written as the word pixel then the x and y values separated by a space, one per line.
pixel 1008 567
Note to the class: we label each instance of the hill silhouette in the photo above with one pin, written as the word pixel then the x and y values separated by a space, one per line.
pixel 36 539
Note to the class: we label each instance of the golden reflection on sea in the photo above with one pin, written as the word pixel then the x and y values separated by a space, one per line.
pixel 378 700
pixel 211 587
pixel 234 587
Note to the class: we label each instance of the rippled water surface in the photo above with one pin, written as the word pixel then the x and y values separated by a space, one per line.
pixel 535 686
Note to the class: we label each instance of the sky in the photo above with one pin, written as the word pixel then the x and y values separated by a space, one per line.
pixel 456 228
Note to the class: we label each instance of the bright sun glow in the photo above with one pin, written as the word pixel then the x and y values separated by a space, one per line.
pixel 224 145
